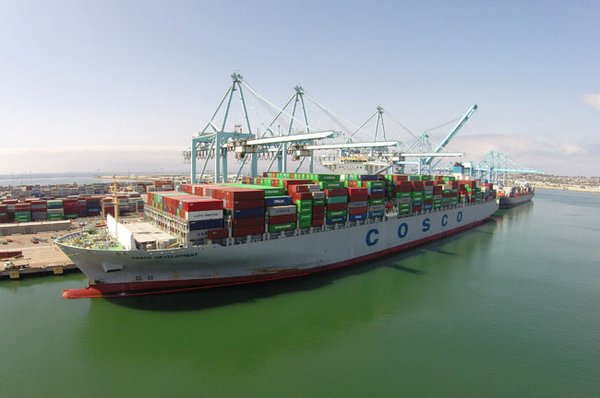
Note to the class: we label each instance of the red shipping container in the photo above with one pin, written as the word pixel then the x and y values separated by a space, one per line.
pixel 237 232
pixel 318 210
pixel 358 198
pixel 297 188
pixel 287 183
pixel 318 222
pixel 336 192
pixel 219 233
pixel 377 195
pixel 247 222
pixel 199 204
pixel 244 204
pixel 243 193
pixel 282 219
pixel 352 192
pixel 358 210
pixel 301 196
pixel 337 206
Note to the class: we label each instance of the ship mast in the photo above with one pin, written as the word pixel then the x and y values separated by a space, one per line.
pixel 115 189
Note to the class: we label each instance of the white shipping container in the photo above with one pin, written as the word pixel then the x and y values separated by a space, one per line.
pixel 204 215
pixel 281 210
pixel 360 204
pixel 314 187
pixel 197 235
pixel 318 195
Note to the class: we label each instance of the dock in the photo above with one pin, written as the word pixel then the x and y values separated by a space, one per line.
pixel 32 254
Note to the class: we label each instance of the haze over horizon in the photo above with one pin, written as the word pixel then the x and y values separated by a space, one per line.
pixel 123 85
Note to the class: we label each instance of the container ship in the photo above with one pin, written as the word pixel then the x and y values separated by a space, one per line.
pixel 280 225
pixel 515 195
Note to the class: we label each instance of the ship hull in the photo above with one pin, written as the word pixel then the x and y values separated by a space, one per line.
pixel 506 202
pixel 122 273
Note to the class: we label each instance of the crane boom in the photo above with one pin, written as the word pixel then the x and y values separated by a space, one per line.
pixel 452 133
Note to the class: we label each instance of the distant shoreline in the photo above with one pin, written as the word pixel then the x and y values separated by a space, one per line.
pixel 567 188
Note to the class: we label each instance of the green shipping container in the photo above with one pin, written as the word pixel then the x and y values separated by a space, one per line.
pixel 304 210
pixel 376 202
pixel 318 202
pixel 375 184
pixel 306 224
pixel 336 213
pixel 306 217
pixel 328 184
pixel 336 199
pixel 282 227
pixel 327 177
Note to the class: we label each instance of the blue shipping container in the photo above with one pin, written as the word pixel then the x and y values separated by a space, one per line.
pixel 278 201
pixel 357 217
pixel 206 224
pixel 246 213
pixel 335 220
pixel 376 214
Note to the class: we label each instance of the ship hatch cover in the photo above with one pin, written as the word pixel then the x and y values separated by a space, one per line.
pixel 111 267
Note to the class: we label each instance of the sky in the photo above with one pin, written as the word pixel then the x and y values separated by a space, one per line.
pixel 123 85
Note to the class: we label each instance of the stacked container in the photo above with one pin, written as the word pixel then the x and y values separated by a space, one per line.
pixel 39 210
pixel 23 212
pixel 318 208
pixel 55 210
pixel 71 208
pixel 3 213
pixel 417 196
pixel 281 213
pixel 336 205
pixel 189 217
pixel 82 207
pixel 376 194
pixel 10 208
pixel 358 203
pixel 403 191
pixel 202 216
pixel 302 197
pixel 428 187
pixel 303 194
pixel 93 206
pixel 437 196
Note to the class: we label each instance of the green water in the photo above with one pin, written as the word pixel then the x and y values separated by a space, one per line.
pixel 510 309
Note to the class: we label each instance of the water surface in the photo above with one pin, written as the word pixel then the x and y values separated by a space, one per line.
pixel 509 309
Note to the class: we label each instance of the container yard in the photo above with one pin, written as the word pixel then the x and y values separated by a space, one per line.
pixel 32 216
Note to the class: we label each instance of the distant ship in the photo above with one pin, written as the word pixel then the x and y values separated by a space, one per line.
pixel 515 195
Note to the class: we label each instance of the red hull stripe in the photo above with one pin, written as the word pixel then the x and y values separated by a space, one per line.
pixel 145 288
